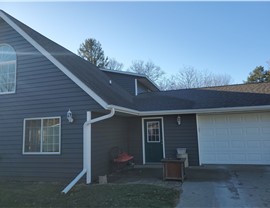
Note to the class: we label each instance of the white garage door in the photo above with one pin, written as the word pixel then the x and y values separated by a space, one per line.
pixel 234 138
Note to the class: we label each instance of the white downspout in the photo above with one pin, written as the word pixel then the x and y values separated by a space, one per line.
pixel 87 149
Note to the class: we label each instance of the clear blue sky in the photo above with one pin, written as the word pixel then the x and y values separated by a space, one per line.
pixel 222 37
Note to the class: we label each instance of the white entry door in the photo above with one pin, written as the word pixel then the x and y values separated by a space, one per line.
pixel 234 138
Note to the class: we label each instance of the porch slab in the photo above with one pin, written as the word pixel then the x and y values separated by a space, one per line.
pixel 146 175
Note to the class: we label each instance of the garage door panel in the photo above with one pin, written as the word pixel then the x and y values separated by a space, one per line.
pixel 220 145
pixel 207 146
pixel 265 118
pixel 250 118
pixel 221 132
pixel 208 132
pixel 266 130
pixel 238 157
pixel 222 157
pixel 253 145
pixel 266 145
pixel 266 158
pixel 254 157
pixel 234 138
pixel 234 119
pixel 252 130
pixel 236 131
pixel 237 145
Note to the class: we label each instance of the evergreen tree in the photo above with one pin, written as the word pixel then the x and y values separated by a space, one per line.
pixel 259 74
pixel 92 51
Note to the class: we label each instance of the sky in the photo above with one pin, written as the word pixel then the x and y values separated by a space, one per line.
pixel 221 37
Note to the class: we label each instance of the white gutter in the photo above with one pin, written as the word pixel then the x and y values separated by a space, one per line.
pixel 87 149
pixel 190 111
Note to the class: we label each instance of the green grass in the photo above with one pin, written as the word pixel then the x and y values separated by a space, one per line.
pixel 23 194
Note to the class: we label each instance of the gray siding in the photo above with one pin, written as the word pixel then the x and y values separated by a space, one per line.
pixel 135 139
pixel 184 136
pixel 125 81
pixel 105 135
pixel 42 90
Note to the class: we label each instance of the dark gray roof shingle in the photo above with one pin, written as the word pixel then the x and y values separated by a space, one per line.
pixel 187 99
pixel 205 98
pixel 85 71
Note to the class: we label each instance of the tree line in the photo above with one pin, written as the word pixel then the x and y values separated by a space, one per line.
pixel 187 77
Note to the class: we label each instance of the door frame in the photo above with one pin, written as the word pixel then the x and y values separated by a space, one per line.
pixel 143 135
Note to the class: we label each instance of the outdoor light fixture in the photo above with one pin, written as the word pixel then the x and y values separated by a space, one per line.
pixel 69 116
pixel 178 120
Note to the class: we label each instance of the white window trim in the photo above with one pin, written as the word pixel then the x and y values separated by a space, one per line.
pixel 41 153
pixel 15 61
pixel 143 137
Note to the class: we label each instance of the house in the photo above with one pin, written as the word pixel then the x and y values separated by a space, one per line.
pixel 60 115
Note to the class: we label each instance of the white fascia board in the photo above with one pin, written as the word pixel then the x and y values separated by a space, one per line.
pixel 84 87
pixel 124 72
pixel 192 111
pixel 206 111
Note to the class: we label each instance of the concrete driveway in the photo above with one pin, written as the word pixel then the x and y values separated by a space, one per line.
pixel 226 186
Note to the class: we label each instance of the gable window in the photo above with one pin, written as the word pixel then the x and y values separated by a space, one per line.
pixel 7 69
pixel 42 136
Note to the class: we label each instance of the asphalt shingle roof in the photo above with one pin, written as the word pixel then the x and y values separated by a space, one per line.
pixel 203 98
pixel 186 99
pixel 85 71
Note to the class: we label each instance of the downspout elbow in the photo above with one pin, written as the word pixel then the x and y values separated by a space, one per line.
pixel 111 114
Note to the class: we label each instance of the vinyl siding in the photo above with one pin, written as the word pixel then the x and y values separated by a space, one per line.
pixel 135 139
pixel 42 90
pixel 125 81
pixel 183 136
pixel 105 135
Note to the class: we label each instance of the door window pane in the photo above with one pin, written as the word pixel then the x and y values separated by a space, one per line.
pixel 153 131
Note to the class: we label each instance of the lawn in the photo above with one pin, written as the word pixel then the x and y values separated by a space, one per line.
pixel 26 194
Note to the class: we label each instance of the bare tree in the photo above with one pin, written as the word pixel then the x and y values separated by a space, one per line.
pixel 166 83
pixel 189 77
pixel 114 65
pixel 149 69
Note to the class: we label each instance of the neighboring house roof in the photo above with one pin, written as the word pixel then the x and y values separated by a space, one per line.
pixel 230 96
pixel 82 72
pixel 262 88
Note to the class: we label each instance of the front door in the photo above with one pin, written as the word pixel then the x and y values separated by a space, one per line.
pixel 153 141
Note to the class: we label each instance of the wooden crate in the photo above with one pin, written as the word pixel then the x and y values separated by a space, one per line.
pixel 173 169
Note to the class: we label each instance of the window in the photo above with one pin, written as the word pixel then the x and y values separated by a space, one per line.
pixel 42 136
pixel 153 131
pixel 7 69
